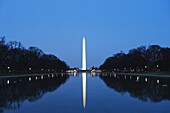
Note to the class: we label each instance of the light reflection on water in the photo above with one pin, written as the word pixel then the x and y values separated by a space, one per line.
pixel 84 89
pixel 106 92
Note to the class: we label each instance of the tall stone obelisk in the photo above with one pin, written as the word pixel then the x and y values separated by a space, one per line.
pixel 84 54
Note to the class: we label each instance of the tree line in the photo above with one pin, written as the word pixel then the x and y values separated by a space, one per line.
pixel 15 58
pixel 152 58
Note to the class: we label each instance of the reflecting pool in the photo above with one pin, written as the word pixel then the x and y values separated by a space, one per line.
pixel 85 92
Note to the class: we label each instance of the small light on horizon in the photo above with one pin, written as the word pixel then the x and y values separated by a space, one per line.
pixel 137 79
pixel 29 78
pixel 7 81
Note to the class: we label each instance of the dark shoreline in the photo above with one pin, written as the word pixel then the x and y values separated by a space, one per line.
pixel 25 74
pixel 145 74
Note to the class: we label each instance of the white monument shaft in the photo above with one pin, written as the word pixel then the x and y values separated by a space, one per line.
pixel 84 54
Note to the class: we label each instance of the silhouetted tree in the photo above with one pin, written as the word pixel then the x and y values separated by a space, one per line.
pixel 15 58
pixel 153 58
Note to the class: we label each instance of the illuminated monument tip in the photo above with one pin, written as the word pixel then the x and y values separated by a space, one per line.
pixel 84 54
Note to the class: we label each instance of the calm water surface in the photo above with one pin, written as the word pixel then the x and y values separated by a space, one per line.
pixel 105 93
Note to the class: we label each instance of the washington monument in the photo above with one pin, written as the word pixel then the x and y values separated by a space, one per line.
pixel 84 54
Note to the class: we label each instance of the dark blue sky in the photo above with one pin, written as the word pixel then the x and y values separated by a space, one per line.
pixel 57 26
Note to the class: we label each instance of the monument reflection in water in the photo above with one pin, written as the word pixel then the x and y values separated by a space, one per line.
pixel 108 92
pixel 84 88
